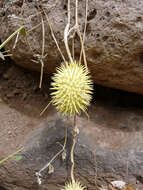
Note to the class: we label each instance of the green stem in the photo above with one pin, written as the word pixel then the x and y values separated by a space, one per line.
pixel 10 156
pixel 72 150
pixel 10 37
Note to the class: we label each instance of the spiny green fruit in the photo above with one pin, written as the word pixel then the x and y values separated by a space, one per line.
pixel 73 186
pixel 72 87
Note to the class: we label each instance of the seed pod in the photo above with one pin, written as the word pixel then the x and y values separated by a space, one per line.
pixel 73 186
pixel 72 87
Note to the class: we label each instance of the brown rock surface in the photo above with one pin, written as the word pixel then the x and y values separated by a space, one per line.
pixel 109 146
pixel 114 38
pixel 112 149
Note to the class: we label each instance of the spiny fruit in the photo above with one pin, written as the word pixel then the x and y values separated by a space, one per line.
pixel 73 186
pixel 72 87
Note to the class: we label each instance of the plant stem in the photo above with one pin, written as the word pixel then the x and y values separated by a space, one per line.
pixel 76 12
pixel 11 155
pixel 53 35
pixel 66 33
pixel 54 157
pixel 84 33
pixel 10 37
pixel 72 149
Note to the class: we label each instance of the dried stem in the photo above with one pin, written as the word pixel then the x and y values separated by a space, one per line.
pixel 42 51
pixel 43 37
pixel 11 36
pixel 85 25
pixel 72 149
pixel 79 33
pixel 45 108
pixel 75 29
pixel 22 9
pixel 76 12
pixel 53 35
pixel 73 54
pixel 41 75
pixel 38 174
pixel 66 33
pixel 16 40
pixel 36 26
pixel 82 47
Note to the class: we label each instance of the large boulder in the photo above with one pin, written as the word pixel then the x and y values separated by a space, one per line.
pixel 114 38
pixel 105 151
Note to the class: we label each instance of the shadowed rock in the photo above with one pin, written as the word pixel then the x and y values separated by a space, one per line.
pixel 93 156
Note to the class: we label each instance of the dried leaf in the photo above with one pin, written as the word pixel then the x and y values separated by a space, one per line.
pixel 51 169
pixel 64 155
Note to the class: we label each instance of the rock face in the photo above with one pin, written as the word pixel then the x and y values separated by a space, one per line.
pixel 109 146
pixel 108 153
pixel 114 38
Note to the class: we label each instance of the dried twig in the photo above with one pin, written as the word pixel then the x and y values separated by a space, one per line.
pixel 53 35
pixel 31 16
pixel 38 174
pixel 72 149
pixel 41 74
pixel 85 25
pixel 82 47
pixel 16 40
pixel 22 9
pixel 42 51
pixel 43 37
pixel 66 33
pixel 73 53
pixel 45 108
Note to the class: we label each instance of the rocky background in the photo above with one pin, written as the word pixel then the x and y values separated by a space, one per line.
pixel 110 144
pixel 114 38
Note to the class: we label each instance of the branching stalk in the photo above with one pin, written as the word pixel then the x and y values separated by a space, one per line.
pixel 38 174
